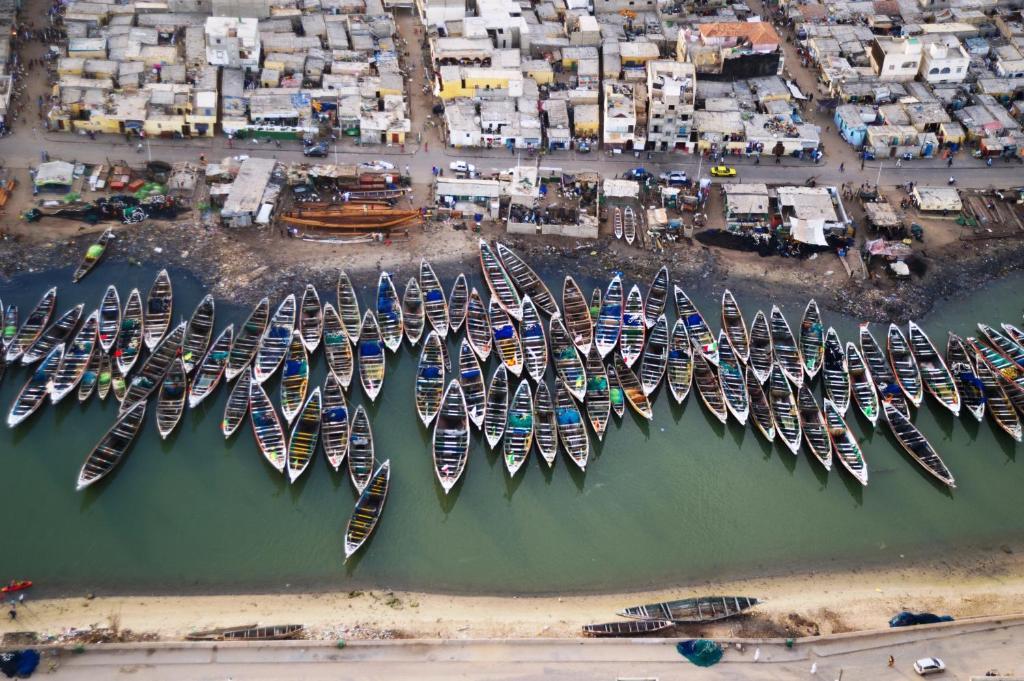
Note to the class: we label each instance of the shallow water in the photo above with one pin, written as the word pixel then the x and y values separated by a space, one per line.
pixel 674 501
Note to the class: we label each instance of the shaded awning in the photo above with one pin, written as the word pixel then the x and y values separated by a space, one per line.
pixel 808 231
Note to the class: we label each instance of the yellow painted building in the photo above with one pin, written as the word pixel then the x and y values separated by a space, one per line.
pixel 462 81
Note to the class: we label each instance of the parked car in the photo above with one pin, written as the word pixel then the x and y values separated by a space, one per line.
pixel 637 174
pixel 723 171
pixel 319 149
pixel 463 168
pixel 929 665
pixel 675 177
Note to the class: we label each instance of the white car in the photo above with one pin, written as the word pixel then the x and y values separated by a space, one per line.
pixel 929 665
pixel 376 165
pixel 463 167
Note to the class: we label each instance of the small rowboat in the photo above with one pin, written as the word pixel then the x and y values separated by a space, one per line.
pixel 812 340
pixel 568 365
pixel 762 354
pixel 844 443
pixel 128 344
pixel 57 333
pixel 430 379
pixel 595 305
pixel 211 369
pixel 247 340
pixel 15 586
pixel 784 411
pixel 348 306
pixel 696 328
pixel 30 331
pixel 617 223
pixel 578 323
pixel 472 380
pixel 158 310
pixel 112 447
pixel 1005 346
pixel 961 367
pixel 77 356
pixel 249 632
pixel 304 436
pixel 451 437
pixel 862 385
pixel 9 329
pixel 413 312
pixel 337 349
pixel 631 340
pixel 632 388
pixel 597 401
pixel 609 320
pixel 999 406
pixel 238 404
pixel 527 281
pixel 497 407
pixel 360 449
pixel 708 387
pixel 657 296
pixel 835 372
pixel 434 305
pixel 91 375
pixel 1015 334
pixel 499 282
pixel 935 375
pixel 457 302
pixel 153 369
pixel 545 425
pixel 655 358
pixel 36 388
pixel 118 384
pixel 571 431
pixel 880 372
pixel 812 423
pixel 294 378
pixel 692 610
pixel 389 313
pixel 367 511
pixel 735 327
pixel 93 255
pixel 311 319
pixel 110 318
pixel 506 338
pixel 171 400
pixel 917 446
pixel 679 372
pixel 372 362
pixel 626 629
pixel 198 334
pixel 629 225
pixel 535 342
pixel 731 380
pixel 908 375
pixel 266 426
pixel 334 425
pixel 760 410
pixel 786 353
pixel 478 328
pixel 518 438
pixel 275 341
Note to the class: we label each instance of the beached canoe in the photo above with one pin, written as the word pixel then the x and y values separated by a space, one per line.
pixel 576 312
pixel 631 338
pixel 31 329
pixel 149 377
pixel 1007 347
pixel 617 222
pixel 170 402
pixel 784 409
pixel 389 313
pixel 535 342
pixel 627 629
pixel 679 372
pixel 294 378
pixel 917 446
pixel 311 319
pixel 571 431
pixel 348 306
pixel 435 307
pixel 274 344
pixel 93 255
pixel 413 313
pixel 527 281
pixel 36 388
pixel 9 328
pixel 305 435
pixel 784 348
pixel 372 361
pixel 696 327
pixel 478 326
pixel 237 405
pixel 657 296
pixel 597 400
pixel 112 447
pixel 497 407
pixel 77 356
pixel 158 310
pixel 91 374
pixel 812 423
pixel 211 368
pixel 429 379
pixel 862 385
pixel 844 443
pixel 880 371
pixel 361 457
pixel 506 338
pixel 760 409
pixel 762 354
pixel 450 446
pixel 334 422
pixel 609 320
pixel 59 332
pixel 965 374
pixel 267 428
pixel 908 375
pixel 692 610
pixel 518 437
pixel 198 334
pixel 337 349
pixel 243 349
pixel 110 318
pixel 568 365
pixel 249 632
pixel 472 380
pixel 655 357
pixel 545 425
pixel 708 387
pixel 457 302
pixel 1000 408
pixel 632 388
pixel 735 326
pixel 835 372
pixel 368 510
pixel 935 374
pixel 629 224
pixel 499 282
pixel 812 340
pixel 731 379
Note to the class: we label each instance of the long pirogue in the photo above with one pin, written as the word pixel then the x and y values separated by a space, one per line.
pixel 247 340
pixel 111 448
pixel 451 437
pixel 497 406
pixel 367 511
pixel 357 221
pixel 304 436
pixel 545 425
pixel 734 326
pixel 267 428
pixel 334 422
pixel 527 281
pixel 597 401
pixel 934 373
pixel 961 366
pixel 128 344
pixel 535 342
pixel 571 431
pixel 518 437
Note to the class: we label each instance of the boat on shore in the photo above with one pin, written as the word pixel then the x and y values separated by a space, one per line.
pixel 655 357
pixel 153 369
pixel 93 255
pixel 334 422
pixel 110 318
pixel 198 334
pixel 679 371
pixel 505 338
pixel 413 313
pixel 31 329
pixel 305 435
pixel 429 389
pixel 731 379
pixel 735 326
pixel 472 379
pixel 499 282
pixel 935 374
pixel 294 378
pixel 170 403
pixel 627 629
pixel 576 312
pixel 211 368
pixel 450 445
pixel 361 454
pixel 57 333
pixel 696 327
pixel 274 344
pixel 77 356
pixel 535 342
pixel 237 405
pixel 337 348
pixel 692 610
pixel 568 365
pixel 243 349
pixel 372 362
pixel 812 423
pixel 457 302
pixel 435 307
pixel 762 354
pixel 158 310
pixel 835 372
pixel 389 313
pixel 609 320
pixel 629 224
pixel 311 319
pixel 708 387
pixel 879 371
pixel 527 281
pixel 965 374
pixel 784 348
pixel 112 447
pixel 36 388
pixel 812 340
pixel 367 511
pixel 545 424
pixel 915 444
pixel 657 297
pixel 249 632
pixel 348 306
pixel 844 443
pixel 784 409
pixel 266 426
pixel 617 222
pixel 631 338
pixel 478 326
pixel 597 401
pixel 571 431
pixel 908 375
pixel 496 413
pixel 760 409
pixel 518 437
pixel 632 388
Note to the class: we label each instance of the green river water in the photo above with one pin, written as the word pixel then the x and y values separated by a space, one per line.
pixel 671 502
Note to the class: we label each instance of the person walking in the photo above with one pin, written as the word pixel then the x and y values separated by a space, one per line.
pixel 842 167
pixel 892 660
pixel 949 163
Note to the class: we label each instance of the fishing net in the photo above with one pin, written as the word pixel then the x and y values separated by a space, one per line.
pixel 597 383
pixel 676 354
pixel 524 420
pixel 294 367
pixel 615 394
pixel 614 311
pixel 337 413
pixel 566 353
pixel 701 651
pixel 334 337
pixel 906 619
pixel 533 331
pixel 94 251
pixel 568 417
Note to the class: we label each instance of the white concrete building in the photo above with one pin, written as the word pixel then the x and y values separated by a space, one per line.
pixel 233 42
pixel 945 61
pixel 671 87
pixel 896 59
pixel 619 117
pixel 437 12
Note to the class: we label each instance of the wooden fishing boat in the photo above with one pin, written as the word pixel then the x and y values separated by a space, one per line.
pixel 692 610
pixel 784 410
pixel 77 356
pixel 596 300
pixel 118 384
pixel 237 405
pixel 457 303
pixel 434 304
pixel 372 361
pixel 597 400
pixel 915 444
pixel 311 319
pixel 735 327
pixel 506 338
pixel 527 281
pixel 657 296
pixel 275 341
pixel 609 320
pixel 413 314
pixel 478 327
pixel 708 387
pixel 835 372
pixel 696 328
pixel 879 371
pixel 294 378
pixel 430 379
pixel 632 389
pixel 615 393
pixel 617 222
pixel 545 424
pixel 128 344
pixel 348 306
pixel 535 342
pixel 30 331
pixel 472 380
pixel 908 375
pixel 627 629
pixel 762 353
pixel 110 318
pixel 36 388
pixel 568 365
pixel 731 379
pixel 249 632
pixel 862 385
pixel 1015 334
pixel 451 436
pixel 965 374
pixel 93 255
pixel 170 402
pixel 1007 347
pixel 211 368
pixel 499 282
pixel 999 406
pixel 57 333
pixel 158 310
pixel 571 431
pixel 198 334
pixel 786 353
pixel 248 339
pixel 760 409
pixel 368 509
pixel 631 339
pixel 629 225
pixel 935 375
pixel 389 313
pixel 497 407
pixel 812 423
pixel 518 437
pixel 112 447
pixel 337 349
pixel 153 369
pixel 9 330
pixel 361 459
pixel 812 340
pixel 334 424
pixel 305 435
pixel 267 427
pixel 578 322
pixel 844 443
pixel 679 372
pixel 655 357
pixel 91 374
pixel 998 363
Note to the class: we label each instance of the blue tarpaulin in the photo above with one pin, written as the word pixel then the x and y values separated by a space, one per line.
pixel 700 651
pixel 504 333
